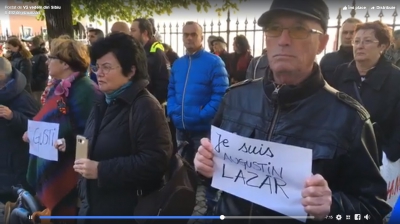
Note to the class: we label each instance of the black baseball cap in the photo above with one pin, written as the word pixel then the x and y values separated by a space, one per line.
pixel 218 39
pixel 314 9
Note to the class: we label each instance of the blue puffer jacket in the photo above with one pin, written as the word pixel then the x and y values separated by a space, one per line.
pixel 196 87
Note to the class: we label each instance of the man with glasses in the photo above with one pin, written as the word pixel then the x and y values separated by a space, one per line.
pixel 344 55
pixel 293 105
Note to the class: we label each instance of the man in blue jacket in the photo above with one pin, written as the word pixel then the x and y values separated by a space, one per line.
pixel 197 84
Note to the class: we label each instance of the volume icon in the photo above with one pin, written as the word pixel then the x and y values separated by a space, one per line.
pixel 367 217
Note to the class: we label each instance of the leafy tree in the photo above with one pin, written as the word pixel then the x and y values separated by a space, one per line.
pixel 60 21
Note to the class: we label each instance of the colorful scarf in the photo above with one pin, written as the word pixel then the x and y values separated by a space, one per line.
pixel 46 91
pixel 60 89
pixel 54 181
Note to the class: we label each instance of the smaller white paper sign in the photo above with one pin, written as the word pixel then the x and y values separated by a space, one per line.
pixel 42 136
pixel 391 173
pixel 266 173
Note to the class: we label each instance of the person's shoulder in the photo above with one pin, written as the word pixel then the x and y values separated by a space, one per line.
pixel 243 91
pixel 341 68
pixel 159 54
pixel 211 59
pixel 348 102
pixel 85 87
pixel 393 73
pixel 25 60
pixel 25 98
pixel 208 55
pixel 256 58
pixel 329 55
pixel 248 83
pixel 180 61
pixel 395 70
pixel 329 58
pixel 146 101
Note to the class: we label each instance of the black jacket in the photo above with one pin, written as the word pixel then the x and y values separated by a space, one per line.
pixel 225 58
pixel 159 70
pixel 125 168
pixel 14 154
pixel 380 95
pixel 40 72
pixel 311 115
pixel 330 61
pixel 24 65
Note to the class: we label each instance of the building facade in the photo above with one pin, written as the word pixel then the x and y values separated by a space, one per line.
pixel 19 18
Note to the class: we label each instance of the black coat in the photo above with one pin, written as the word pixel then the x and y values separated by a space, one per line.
pixel 334 126
pixel 380 95
pixel 331 61
pixel 159 70
pixel 14 154
pixel 40 72
pixel 24 65
pixel 125 168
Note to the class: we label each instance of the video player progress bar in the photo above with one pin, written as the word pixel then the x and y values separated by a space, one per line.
pixel 222 217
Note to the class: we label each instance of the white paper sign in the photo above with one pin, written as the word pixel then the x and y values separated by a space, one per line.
pixel 42 136
pixel 391 173
pixel 265 173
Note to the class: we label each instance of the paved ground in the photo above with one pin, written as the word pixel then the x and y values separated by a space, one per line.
pixel 201 207
pixel 199 210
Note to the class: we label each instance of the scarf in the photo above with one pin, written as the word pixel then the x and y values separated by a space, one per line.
pixel 46 91
pixel 112 96
pixel 61 89
pixel 243 61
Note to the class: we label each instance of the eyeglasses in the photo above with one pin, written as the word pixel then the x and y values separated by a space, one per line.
pixel 295 32
pixel 363 42
pixel 105 68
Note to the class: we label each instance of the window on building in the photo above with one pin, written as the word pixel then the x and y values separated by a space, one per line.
pixel 26 32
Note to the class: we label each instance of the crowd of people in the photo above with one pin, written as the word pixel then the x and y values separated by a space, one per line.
pixel 344 108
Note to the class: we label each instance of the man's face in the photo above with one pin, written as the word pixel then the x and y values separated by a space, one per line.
pixel 192 37
pixel 135 32
pixel 347 34
pixel 290 55
pixel 92 37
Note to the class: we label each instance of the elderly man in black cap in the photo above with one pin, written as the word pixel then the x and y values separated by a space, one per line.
pixel 293 105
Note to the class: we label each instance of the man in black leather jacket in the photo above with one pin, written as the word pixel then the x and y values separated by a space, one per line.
pixel 293 105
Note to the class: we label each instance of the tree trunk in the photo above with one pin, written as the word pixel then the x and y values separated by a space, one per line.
pixel 58 21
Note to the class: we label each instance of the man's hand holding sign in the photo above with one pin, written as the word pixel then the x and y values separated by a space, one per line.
pixel 273 175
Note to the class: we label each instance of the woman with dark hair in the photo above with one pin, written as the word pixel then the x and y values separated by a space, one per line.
pixel 374 81
pixel 171 54
pixel 21 59
pixel 240 59
pixel 128 135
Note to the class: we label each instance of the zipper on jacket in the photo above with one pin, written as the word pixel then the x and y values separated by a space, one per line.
pixel 184 91
pixel 271 128
pixel 276 110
